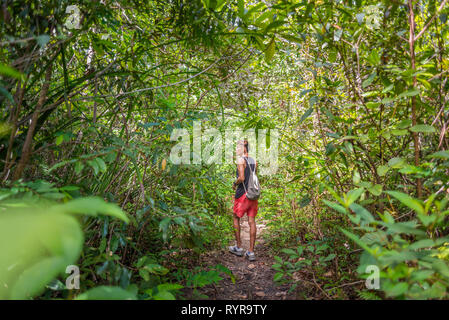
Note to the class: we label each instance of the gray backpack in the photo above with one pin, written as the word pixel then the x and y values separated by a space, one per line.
pixel 253 192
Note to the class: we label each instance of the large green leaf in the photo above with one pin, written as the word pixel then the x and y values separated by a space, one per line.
pixel 10 72
pixel 425 128
pixel 335 206
pixel 42 241
pixel 106 293
pixel 92 206
pixel 362 212
pixel 382 170
pixel 443 154
pixel 353 195
pixel 357 240
pixel 405 199
pixel 270 50
pixel 396 163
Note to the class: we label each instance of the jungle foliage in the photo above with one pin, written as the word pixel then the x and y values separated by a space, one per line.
pixel 91 94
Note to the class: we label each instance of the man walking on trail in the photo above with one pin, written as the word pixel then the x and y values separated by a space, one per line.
pixel 242 204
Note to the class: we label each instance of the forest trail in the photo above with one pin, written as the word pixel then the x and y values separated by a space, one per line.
pixel 253 280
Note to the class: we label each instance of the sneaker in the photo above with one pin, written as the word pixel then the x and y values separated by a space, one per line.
pixel 250 255
pixel 236 250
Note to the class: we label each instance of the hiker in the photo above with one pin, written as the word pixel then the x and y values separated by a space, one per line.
pixel 242 204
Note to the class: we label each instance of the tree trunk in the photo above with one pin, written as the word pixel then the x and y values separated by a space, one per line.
pixel 27 146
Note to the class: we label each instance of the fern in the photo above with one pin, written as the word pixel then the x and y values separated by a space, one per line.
pixel 367 295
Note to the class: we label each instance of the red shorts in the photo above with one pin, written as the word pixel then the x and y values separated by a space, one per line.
pixel 243 205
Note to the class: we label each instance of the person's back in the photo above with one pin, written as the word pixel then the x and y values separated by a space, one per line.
pixel 242 187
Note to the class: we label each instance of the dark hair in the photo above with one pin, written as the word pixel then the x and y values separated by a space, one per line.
pixel 246 145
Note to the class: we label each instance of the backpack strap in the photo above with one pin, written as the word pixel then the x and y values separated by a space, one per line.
pixel 250 166
pixel 244 177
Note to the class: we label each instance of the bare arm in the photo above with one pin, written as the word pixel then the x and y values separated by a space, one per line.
pixel 241 170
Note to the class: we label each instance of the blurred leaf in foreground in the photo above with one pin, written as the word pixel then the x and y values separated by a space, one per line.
pixel 38 243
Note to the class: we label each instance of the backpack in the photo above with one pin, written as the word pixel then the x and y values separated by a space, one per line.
pixel 253 192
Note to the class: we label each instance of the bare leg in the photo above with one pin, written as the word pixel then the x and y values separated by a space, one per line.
pixel 237 231
pixel 252 233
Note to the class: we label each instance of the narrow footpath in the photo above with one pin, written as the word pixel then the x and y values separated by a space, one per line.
pixel 253 280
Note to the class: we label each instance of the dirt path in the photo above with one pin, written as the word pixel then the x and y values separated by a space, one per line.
pixel 254 280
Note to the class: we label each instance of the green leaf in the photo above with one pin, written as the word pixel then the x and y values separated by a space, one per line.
pixel 306 115
pixel 163 225
pixel 397 290
pixel 409 169
pixel 220 4
pixel 405 199
pixel 274 25
pixel 94 166
pixel 330 148
pixel 10 72
pixel 145 274
pixel 441 267
pixel 8 95
pixel 79 167
pixel 388 88
pixel 329 257
pixel 291 38
pixel 337 34
pixel 169 287
pixel 421 275
pixel 164 295
pixel 106 293
pixel 92 206
pixel 388 100
pixel 42 242
pixel 32 281
pixel 396 163
pixel 356 177
pixel 369 80
pixel 60 164
pixel 409 227
pixel 353 195
pixel 399 132
pixel 101 164
pixel 277 267
pixel 335 206
pixel 422 128
pixel 42 40
pixel 409 93
pixel 357 240
pixel 289 252
pixel 313 100
pixel 404 124
pixel 156 269
pixel 59 139
pixel 425 243
pixel 374 57
pixel 278 276
pixel 270 50
pixel 373 105
pixel 362 212
pixel 382 170
pixel 443 154
pixel 376 190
